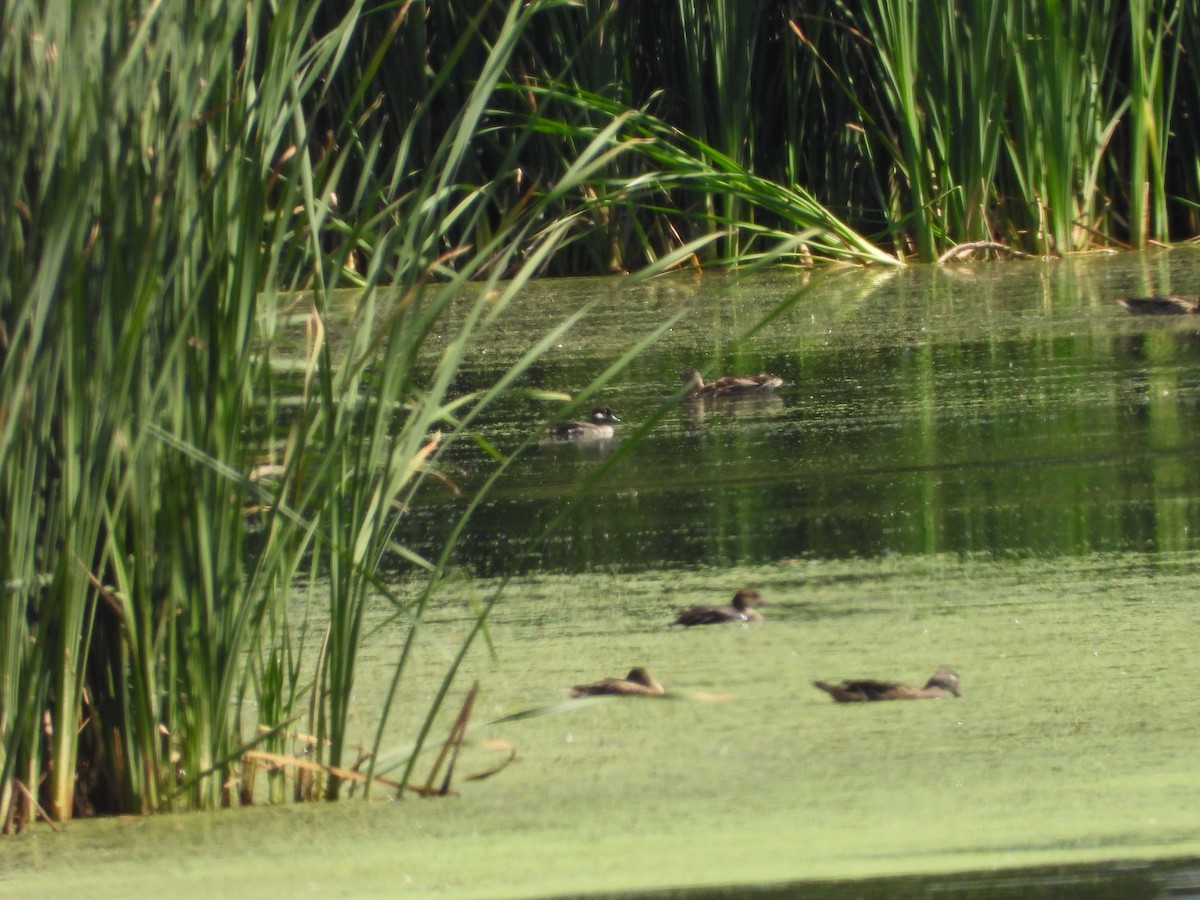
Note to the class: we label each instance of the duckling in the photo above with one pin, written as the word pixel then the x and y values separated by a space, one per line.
pixel 1164 305
pixel 598 427
pixel 730 385
pixel 740 609
pixel 943 683
pixel 638 682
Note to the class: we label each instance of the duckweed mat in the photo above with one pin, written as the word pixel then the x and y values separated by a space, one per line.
pixel 1073 743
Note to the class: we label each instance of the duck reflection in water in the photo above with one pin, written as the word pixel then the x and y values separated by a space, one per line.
pixel 740 610
pixel 1163 305
pixel 598 427
pixel 753 406
pixel 730 386
pixel 943 683
pixel 638 682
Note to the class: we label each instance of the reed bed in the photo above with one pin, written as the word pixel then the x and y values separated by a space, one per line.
pixel 1050 126
pixel 181 184
pixel 182 190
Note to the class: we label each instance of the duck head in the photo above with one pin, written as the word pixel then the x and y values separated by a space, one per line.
pixel 639 675
pixel 747 597
pixel 602 415
pixel 946 679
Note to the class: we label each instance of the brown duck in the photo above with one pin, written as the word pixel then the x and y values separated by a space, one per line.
pixel 598 427
pixel 943 683
pixel 1163 305
pixel 638 682
pixel 741 609
pixel 730 385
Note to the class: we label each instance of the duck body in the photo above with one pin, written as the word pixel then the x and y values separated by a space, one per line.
pixel 638 682
pixel 943 683
pixel 1163 305
pixel 740 610
pixel 598 427
pixel 730 386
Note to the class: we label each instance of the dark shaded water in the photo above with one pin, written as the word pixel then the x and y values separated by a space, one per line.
pixel 1002 409
pixel 1053 883
pixel 1126 881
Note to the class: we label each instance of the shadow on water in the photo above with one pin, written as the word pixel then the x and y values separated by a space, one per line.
pixel 1116 882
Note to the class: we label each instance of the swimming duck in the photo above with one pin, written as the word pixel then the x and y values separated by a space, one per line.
pixel 730 385
pixel 598 427
pixel 943 683
pixel 638 682
pixel 740 609
pixel 1164 305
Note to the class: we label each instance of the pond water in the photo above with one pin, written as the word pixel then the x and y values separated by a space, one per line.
pixel 1003 409
pixel 991 467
